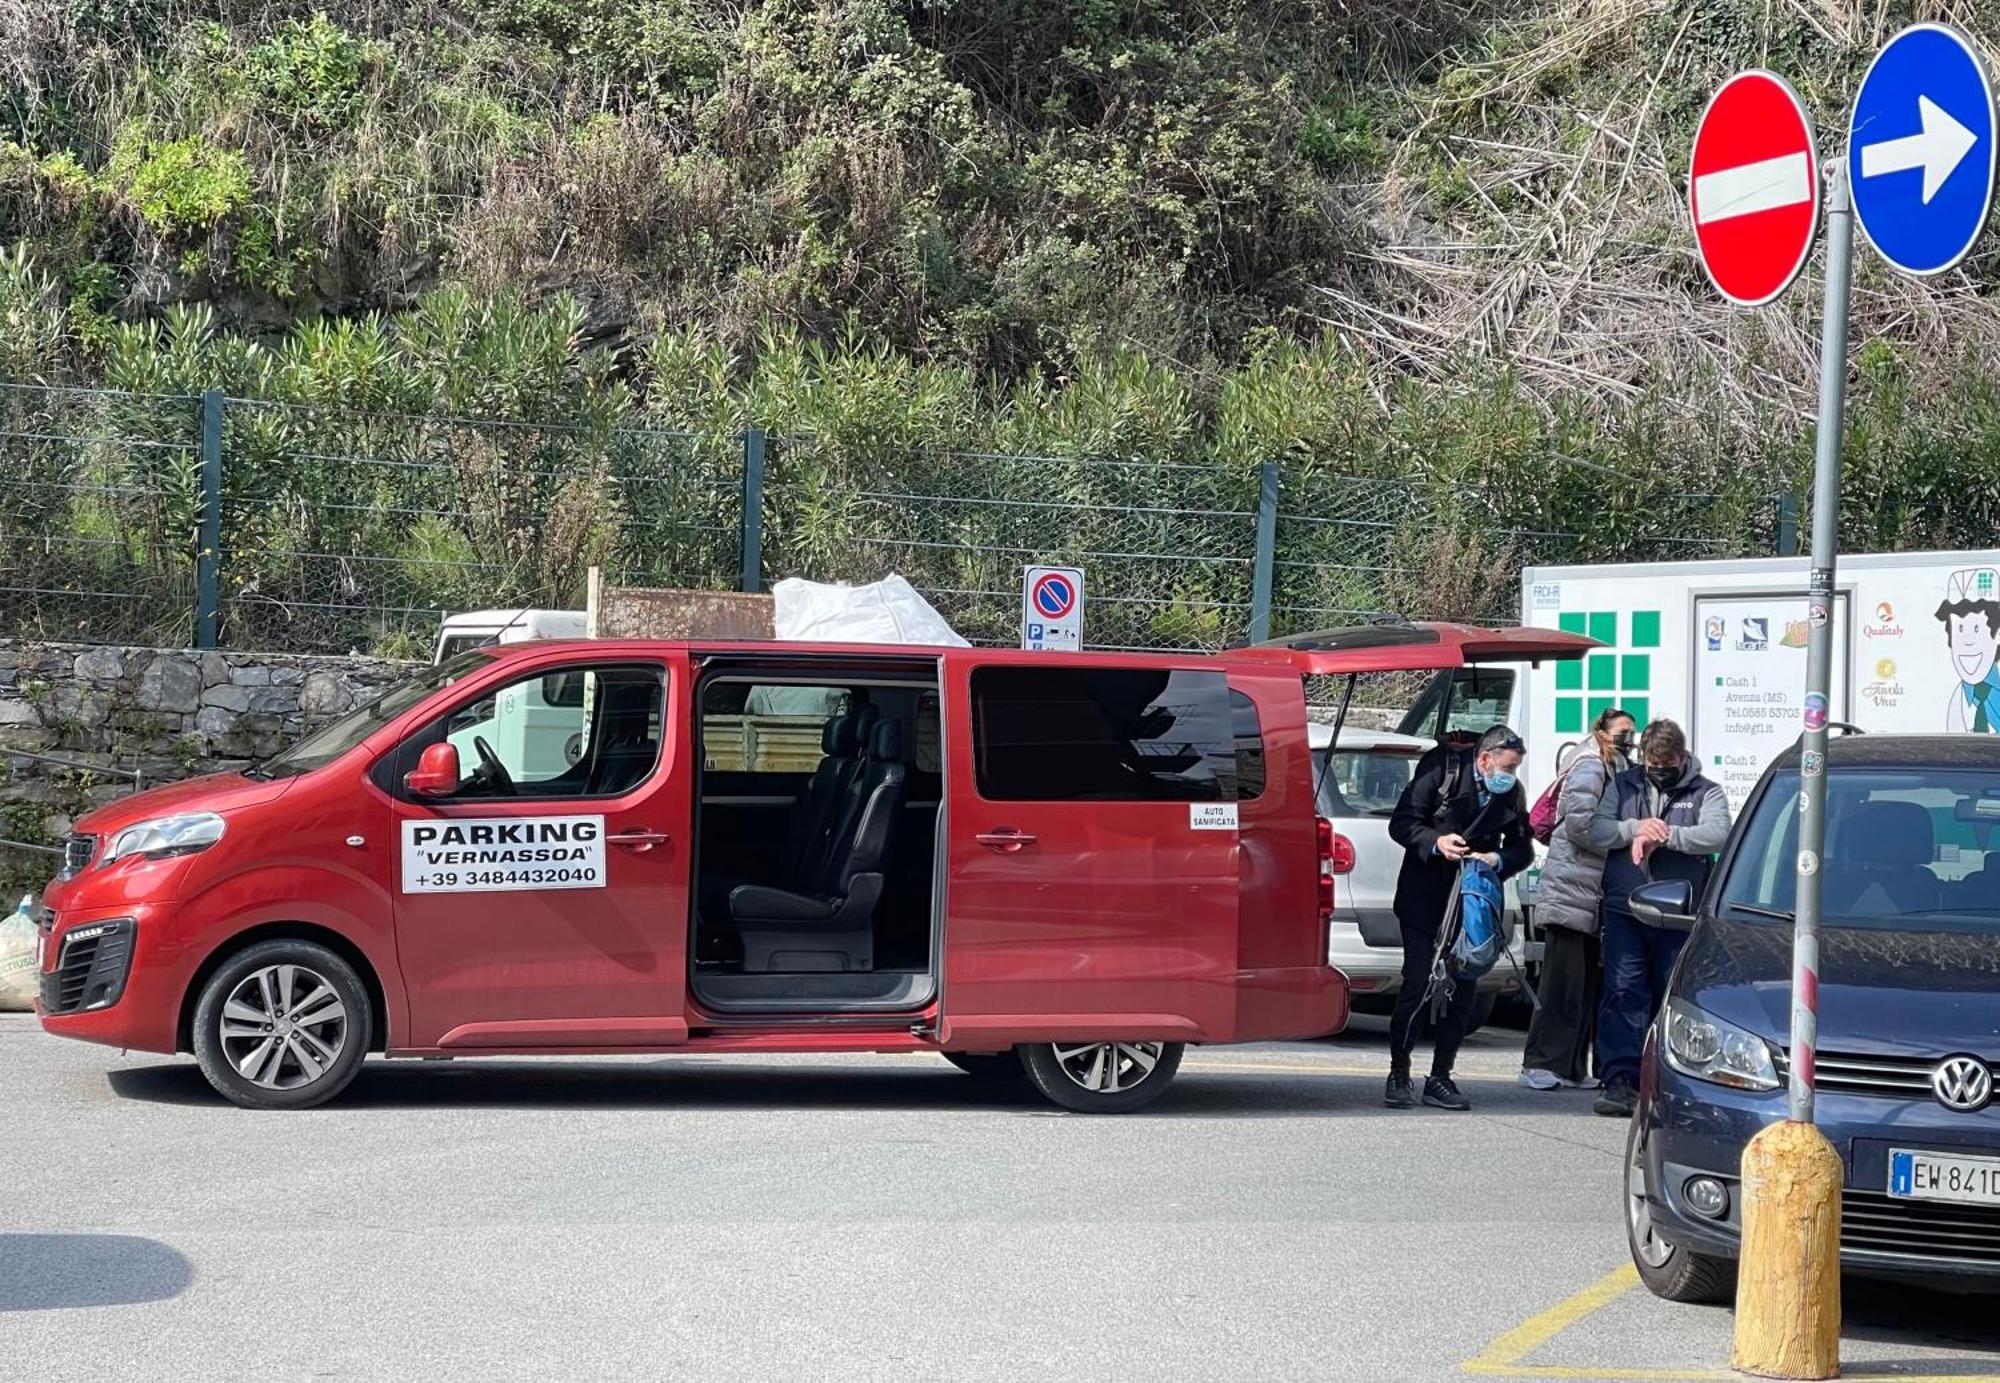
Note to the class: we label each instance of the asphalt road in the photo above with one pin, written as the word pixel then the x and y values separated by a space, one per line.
pixel 840 1217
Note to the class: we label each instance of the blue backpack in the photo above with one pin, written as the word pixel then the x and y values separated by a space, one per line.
pixel 1482 923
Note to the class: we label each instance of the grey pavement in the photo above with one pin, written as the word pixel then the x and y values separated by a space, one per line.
pixel 834 1217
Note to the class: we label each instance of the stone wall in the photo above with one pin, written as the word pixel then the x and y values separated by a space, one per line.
pixel 169 713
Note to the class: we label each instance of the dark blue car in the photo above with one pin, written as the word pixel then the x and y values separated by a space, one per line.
pixel 1909 1036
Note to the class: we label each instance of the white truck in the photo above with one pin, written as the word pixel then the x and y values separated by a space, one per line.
pixel 536 728
pixel 1720 646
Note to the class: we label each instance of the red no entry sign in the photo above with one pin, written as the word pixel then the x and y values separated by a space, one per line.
pixel 1753 187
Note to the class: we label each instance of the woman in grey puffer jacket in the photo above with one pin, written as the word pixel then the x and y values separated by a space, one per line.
pixel 1568 902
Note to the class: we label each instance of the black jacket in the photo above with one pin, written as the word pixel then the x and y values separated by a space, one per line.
pixel 1423 889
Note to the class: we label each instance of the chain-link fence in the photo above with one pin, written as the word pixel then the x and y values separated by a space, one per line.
pixel 1168 550
pixel 280 526
pixel 99 493
pixel 343 530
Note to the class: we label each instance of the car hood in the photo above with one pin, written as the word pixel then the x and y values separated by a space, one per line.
pixel 214 792
pixel 1882 992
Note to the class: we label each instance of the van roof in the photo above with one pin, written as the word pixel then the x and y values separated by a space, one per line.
pixel 1387 646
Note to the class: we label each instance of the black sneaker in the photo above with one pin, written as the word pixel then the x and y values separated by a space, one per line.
pixel 1440 1093
pixel 1400 1093
pixel 1617 1102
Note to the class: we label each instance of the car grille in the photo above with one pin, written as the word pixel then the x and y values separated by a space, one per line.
pixel 91 970
pixel 77 853
pixel 1890 1077
pixel 1874 1223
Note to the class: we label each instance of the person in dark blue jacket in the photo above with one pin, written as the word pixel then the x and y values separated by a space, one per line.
pixel 1659 820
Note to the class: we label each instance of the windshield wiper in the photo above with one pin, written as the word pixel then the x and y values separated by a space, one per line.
pixel 257 772
pixel 1775 914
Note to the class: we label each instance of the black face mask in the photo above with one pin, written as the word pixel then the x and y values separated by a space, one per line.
pixel 1663 778
pixel 1623 743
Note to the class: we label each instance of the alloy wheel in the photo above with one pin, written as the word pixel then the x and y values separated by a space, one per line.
pixel 1647 1244
pixel 283 1026
pixel 1105 1068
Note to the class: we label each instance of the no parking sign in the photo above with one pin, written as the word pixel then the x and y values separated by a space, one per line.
pixel 1052 608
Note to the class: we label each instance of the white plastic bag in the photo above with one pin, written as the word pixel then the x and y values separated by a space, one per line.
pixel 885 611
pixel 17 959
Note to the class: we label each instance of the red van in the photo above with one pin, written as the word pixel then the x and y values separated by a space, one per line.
pixel 1064 865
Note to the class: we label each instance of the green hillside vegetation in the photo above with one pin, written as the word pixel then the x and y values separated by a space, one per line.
pixel 1438 242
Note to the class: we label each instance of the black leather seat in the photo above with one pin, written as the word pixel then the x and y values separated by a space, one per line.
pixel 801 847
pixel 829 922
pixel 631 743
pixel 1881 865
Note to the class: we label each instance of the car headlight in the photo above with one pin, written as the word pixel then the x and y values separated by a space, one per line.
pixel 168 835
pixel 1703 1046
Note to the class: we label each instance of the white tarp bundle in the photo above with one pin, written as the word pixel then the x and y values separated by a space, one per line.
pixel 885 611
pixel 17 959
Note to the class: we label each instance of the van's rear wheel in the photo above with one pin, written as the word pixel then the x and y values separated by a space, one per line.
pixel 282 1025
pixel 988 1065
pixel 1102 1077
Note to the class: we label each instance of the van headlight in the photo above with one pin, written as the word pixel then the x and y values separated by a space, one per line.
pixel 1703 1046
pixel 168 835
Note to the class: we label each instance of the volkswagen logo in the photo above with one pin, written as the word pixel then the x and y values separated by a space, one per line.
pixel 1963 1083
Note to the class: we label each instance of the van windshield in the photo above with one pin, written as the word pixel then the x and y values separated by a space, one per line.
pixel 1914 848
pixel 323 746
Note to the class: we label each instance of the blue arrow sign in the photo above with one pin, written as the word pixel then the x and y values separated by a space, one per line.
pixel 1920 149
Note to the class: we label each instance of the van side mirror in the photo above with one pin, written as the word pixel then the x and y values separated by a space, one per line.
pixel 436 773
pixel 1664 902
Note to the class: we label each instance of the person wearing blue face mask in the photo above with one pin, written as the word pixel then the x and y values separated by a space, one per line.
pixel 1463 802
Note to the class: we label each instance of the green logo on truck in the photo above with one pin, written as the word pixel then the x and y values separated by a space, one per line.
pixel 1620 674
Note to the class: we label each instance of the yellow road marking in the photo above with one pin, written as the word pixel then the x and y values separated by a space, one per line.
pixel 1304 1069
pixel 1504 1355
pixel 1502 1358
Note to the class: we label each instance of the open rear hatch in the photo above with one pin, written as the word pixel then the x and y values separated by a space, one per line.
pixel 1393 645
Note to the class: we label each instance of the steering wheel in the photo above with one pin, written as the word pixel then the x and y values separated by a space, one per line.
pixel 496 773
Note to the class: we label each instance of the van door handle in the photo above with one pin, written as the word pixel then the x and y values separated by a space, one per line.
pixel 1006 840
pixel 638 840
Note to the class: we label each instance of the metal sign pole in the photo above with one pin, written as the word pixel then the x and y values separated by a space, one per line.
pixel 1819 643
pixel 1788 1273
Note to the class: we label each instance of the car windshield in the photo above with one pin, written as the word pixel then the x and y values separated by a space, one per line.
pixel 1905 848
pixel 323 746
pixel 1361 782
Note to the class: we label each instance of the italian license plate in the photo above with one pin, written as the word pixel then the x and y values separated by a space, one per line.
pixel 1927 1176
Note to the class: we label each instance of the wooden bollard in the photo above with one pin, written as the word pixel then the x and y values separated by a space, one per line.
pixel 1788 1277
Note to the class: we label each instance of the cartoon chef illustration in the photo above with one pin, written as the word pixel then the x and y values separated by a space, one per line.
pixel 1971 618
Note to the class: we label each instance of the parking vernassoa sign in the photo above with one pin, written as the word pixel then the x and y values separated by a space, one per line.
pixel 502 854
pixel 1052 609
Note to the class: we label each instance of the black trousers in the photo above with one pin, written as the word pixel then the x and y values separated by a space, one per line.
pixel 1560 1036
pixel 1419 950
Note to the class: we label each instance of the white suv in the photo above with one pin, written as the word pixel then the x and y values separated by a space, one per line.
pixel 1358 793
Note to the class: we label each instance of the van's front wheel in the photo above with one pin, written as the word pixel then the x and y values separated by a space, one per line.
pixel 1102 1077
pixel 282 1025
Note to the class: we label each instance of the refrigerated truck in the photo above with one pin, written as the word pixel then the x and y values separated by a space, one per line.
pixel 1720 646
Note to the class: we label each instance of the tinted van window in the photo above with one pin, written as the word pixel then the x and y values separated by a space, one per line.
pixel 1104 735
pixel 1249 734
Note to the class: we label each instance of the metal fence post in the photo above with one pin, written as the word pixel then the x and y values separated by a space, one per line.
pixel 753 509
pixel 1267 551
pixel 208 553
pixel 1788 524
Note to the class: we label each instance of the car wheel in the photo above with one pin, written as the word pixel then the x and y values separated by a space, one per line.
pixel 282 1025
pixel 988 1065
pixel 1102 1077
pixel 1667 1269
